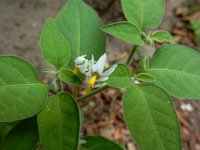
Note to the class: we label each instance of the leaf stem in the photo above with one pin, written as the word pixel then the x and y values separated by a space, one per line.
pixel 130 58
pixel 75 91
pixel 92 93
pixel 60 84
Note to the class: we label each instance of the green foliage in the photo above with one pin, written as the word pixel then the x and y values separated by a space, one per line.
pixel 67 76
pixel 80 25
pixel 195 24
pixel 151 118
pixel 23 137
pixel 59 123
pixel 125 31
pixel 49 71
pixel 148 108
pixel 4 129
pixel 143 63
pixel 145 77
pixel 143 13
pixel 54 46
pixel 121 77
pixel 175 67
pixel 22 92
pixel 99 143
pixel 162 36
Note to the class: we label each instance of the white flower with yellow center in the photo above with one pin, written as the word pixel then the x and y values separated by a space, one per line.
pixel 82 65
pixel 97 76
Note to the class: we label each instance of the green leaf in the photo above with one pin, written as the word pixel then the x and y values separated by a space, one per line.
pixel 50 71
pixel 23 137
pixel 22 93
pixel 145 77
pixel 143 13
pixel 68 76
pixel 151 118
pixel 80 25
pixel 5 127
pixel 59 123
pixel 54 46
pixel 195 24
pixel 162 36
pixel 125 31
pixel 121 77
pixel 144 63
pixel 176 68
pixel 99 143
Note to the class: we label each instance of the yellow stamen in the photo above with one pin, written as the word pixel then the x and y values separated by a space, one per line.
pixel 93 79
pixel 88 89
pixel 91 82
pixel 76 70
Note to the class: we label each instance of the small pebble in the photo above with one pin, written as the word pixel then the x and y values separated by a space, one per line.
pixel 187 107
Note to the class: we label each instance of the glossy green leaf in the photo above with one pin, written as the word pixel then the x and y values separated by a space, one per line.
pixel 54 46
pixel 145 77
pixel 125 31
pixel 121 77
pixel 68 76
pixel 176 68
pixel 100 143
pixel 143 13
pixel 59 123
pixel 22 93
pixel 151 118
pixel 162 36
pixel 23 137
pixel 80 25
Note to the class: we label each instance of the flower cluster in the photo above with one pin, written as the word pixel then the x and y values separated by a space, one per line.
pixel 94 71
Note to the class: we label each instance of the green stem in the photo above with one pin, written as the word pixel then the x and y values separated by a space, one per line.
pixel 60 84
pixel 92 93
pixel 130 58
pixel 75 92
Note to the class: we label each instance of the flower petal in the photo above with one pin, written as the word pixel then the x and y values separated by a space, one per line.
pixel 88 74
pixel 102 79
pixel 80 59
pixel 92 60
pixel 99 85
pixel 109 71
pixel 100 64
pixel 93 69
pixel 84 67
pixel 87 79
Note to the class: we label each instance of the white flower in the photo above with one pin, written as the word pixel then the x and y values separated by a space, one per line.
pixel 81 64
pixel 98 77
pixel 94 71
